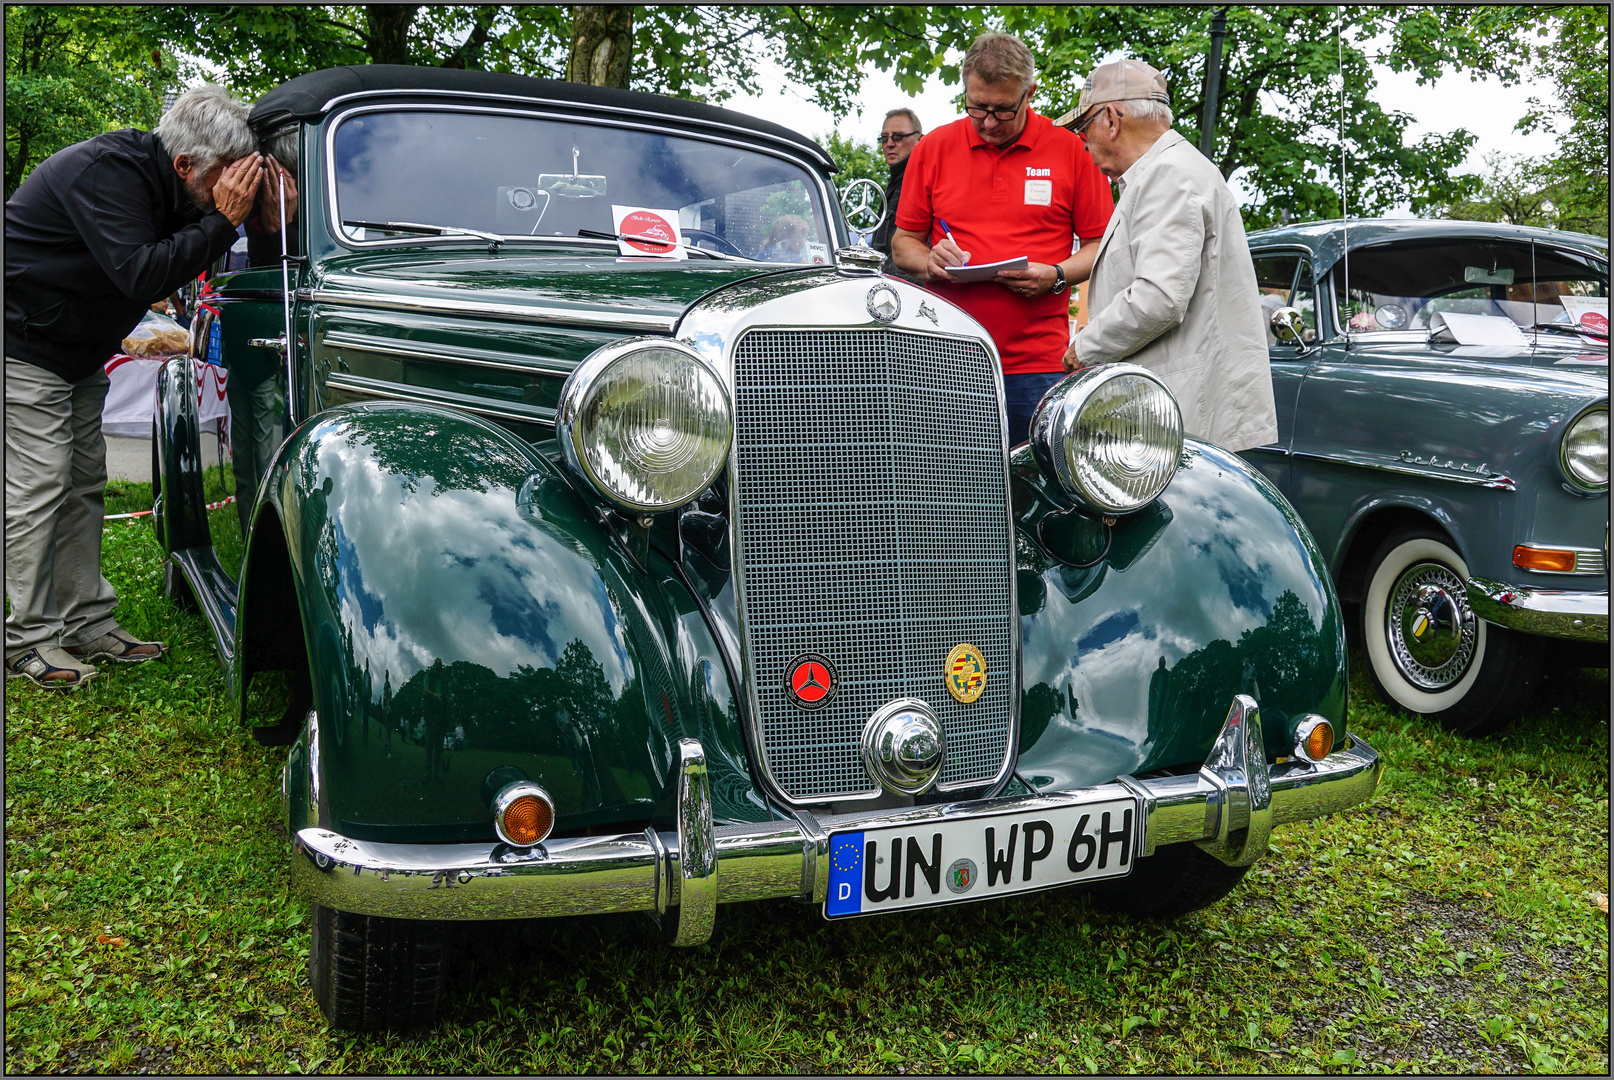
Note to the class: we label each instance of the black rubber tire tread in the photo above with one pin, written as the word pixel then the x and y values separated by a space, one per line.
pixel 1508 671
pixel 1175 880
pixel 377 974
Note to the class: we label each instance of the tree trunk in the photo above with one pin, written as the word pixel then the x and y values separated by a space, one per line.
pixel 602 45
pixel 388 37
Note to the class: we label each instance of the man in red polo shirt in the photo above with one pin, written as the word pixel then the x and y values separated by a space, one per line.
pixel 1007 183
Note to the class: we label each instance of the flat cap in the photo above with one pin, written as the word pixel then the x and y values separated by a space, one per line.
pixel 1119 80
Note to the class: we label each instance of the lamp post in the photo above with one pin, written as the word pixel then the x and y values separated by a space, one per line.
pixel 1213 83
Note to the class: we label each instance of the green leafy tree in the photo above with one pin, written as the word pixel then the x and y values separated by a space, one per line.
pixel 1576 59
pixel 1280 126
pixel 70 75
pixel 1513 189
pixel 857 160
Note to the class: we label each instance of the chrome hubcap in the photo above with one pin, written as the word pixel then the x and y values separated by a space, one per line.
pixel 1432 633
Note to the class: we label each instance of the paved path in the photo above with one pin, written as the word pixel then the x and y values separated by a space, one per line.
pixel 130 459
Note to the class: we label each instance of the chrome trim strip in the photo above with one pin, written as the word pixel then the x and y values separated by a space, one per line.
pixel 1494 480
pixel 747 142
pixel 745 133
pixel 1559 613
pixel 448 354
pixel 534 313
pixel 358 384
pixel 593 874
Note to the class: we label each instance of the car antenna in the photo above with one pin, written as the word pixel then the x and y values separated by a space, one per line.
pixel 1344 209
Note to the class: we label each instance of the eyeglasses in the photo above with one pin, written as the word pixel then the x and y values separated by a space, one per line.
pixel 894 137
pixel 981 112
pixel 1081 128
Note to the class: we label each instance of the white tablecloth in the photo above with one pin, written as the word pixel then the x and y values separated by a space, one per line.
pixel 131 401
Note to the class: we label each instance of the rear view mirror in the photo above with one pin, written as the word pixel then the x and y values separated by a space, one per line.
pixel 572 185
pixel 1478 275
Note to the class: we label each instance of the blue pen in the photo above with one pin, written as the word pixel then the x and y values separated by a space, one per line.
pixel 943 223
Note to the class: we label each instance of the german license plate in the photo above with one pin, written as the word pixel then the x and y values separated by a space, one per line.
pixel 945 862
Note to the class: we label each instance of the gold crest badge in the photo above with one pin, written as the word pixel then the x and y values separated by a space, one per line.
pixel 965 673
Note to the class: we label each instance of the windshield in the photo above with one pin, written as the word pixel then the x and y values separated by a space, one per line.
pixel 521 176
pixel 1401 287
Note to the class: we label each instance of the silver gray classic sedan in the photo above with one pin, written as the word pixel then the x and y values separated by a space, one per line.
pixel 1442 395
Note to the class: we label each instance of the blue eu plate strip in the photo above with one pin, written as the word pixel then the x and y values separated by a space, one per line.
pixel 845 875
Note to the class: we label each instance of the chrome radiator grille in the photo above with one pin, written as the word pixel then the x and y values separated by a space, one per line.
pixel 873 529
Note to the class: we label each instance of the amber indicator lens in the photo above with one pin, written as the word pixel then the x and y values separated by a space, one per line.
pixel 1529 558
pixel 1320 741
pixel 527 821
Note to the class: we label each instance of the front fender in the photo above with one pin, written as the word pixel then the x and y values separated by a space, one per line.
pixel 468 620
pixel 1215 590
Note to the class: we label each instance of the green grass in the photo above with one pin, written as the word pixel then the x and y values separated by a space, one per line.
pixel 1448 926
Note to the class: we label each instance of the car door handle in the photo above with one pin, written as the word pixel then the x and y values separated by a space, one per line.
pixel 278 344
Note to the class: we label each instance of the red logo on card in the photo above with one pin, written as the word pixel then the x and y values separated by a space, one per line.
pixel 648 232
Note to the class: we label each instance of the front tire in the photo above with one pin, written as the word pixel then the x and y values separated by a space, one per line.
pixel 1428 652
pixel 376 974
pixel 1175 880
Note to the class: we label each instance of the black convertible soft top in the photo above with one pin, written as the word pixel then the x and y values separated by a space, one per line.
pixel 305 98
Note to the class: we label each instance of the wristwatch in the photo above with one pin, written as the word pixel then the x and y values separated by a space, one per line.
pixel 1060 284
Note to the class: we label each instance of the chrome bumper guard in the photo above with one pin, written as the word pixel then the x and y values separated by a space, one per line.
pixel 1560 613
pixel 1229 807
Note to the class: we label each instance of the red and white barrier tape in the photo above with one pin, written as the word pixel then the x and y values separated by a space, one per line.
pixel 226 501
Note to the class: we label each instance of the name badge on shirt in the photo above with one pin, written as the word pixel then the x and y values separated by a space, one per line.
pixel 1039 192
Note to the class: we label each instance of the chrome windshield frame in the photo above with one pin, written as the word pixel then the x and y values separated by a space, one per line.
pixel 334 121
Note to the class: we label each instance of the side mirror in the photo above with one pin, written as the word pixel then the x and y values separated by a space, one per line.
pixel 1287 327
pixel 863 203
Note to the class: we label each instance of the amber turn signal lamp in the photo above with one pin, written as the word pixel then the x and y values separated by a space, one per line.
pixel 1320 741
pixel 1554 562
pixel 1314 738
pixel 523 814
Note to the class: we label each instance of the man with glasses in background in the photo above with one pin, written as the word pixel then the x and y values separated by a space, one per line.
pixel 1173 286
pixel 898 136
pixel 1001 183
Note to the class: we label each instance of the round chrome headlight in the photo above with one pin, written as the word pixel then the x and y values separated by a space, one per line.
pixel 1585 448
pixel 1110 436
pixel 646 423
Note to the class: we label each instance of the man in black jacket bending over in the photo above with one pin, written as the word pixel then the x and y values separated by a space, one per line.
pixel 95 234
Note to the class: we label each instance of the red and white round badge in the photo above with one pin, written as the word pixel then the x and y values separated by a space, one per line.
pixel 649 232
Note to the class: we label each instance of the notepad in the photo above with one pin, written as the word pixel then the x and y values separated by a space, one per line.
pixel 985 271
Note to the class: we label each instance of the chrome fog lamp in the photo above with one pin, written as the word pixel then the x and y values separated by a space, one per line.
pixel 646 423
pixel 1584 452
pixel 1110 436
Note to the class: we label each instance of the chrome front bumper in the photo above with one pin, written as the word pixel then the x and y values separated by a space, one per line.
pixel 1560 613
pixel 1229 807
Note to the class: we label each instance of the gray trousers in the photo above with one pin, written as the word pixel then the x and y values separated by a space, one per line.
pixel 55 507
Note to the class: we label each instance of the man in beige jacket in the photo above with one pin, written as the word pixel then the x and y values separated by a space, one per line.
pixel 1173 288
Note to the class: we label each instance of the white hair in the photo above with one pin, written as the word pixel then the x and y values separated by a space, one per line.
pixel 1147 109
pixel 209 125
pixel 283 148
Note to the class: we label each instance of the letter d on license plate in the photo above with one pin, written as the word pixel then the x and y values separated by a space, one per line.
pixel 945 862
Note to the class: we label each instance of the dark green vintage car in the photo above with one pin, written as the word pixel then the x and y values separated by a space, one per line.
pixel 627 542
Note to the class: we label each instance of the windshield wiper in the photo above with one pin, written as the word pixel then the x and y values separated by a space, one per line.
pixel 1568 328
pixel 494 239
pixel 592 234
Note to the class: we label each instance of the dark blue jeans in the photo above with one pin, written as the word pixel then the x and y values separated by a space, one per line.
pixel 1021 394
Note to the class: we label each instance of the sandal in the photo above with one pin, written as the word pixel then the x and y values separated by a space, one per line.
pixel 118 646
pixel 51 668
